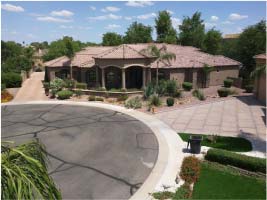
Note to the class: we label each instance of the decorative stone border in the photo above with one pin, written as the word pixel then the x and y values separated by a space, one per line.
pixel 170 155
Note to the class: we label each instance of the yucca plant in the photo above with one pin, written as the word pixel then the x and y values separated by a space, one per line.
pixel 24 173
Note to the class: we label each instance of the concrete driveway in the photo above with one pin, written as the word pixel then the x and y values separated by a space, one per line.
pixel 94 153
pixel 32 89
pixel 242 116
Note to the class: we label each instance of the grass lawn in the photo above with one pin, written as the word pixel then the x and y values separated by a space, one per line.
pixel 226 143
pixel 221 182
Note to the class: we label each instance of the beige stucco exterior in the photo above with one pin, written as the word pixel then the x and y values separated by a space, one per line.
pixel 221 73
pixel 260 83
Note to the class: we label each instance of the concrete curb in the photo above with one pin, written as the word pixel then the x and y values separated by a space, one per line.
pixel 170 155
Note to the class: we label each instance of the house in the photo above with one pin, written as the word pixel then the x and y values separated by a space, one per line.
pixel 124 66
pixel 260 80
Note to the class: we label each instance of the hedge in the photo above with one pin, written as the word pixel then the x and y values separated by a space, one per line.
pixel 187 86
pixel 170 101
pixel 238 160
pixel 64 94
pixel 228 83
pixel 81 85
pixel 11 79
pixel 223 92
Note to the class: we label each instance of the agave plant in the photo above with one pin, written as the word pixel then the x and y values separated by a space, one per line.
pixel 24 173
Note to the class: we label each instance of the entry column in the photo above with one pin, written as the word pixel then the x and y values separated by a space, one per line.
pixel 149 74
pixel 123 83
pixel 103 77
pixel 144 78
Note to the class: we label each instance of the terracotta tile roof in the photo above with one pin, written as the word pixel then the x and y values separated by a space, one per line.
pixel 123 51
pixel 186 56
pixel 260 56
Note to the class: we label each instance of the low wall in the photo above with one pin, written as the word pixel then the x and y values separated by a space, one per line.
pixel 109 93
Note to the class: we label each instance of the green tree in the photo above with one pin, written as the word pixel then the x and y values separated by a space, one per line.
pixel 111 39
pixel 161 54
pixel 212 42
pixel 24 173
pixel 229 48
pixel 138 33
pixel 192 31
pixel 165 31
pixel 252 41
pixel 69 53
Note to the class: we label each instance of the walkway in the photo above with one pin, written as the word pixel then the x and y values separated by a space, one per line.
pixel 32 89
pixel 242 116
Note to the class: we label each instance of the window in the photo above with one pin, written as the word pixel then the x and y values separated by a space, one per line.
pixel 91 76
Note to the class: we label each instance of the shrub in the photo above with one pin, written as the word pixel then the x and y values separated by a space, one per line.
pixel 11 79
pixel 122 97
pixel 78 93
pixel 81 85
pixel 64 94
pixel 199 94
pixel 134 103
pixel 53 93
pixel 57 84
pixel 148 91
pixel 99 99
pixel 223 92
pixel 249 88
pixel 227 83
pixel 163 195
pixel 161 88
pixel 91 98
pixel 38 69
pixel 187 86
pixel 154 100
pixel 6 96
pixel 46 85
pixel 3 86
pixel 170 101
pixel 69 83
pixel 183 192
pixel 190 169
pixel 237 160
pixel 178 94
pixel 171 87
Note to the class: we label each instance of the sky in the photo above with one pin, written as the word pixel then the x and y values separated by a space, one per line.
pixel 88 20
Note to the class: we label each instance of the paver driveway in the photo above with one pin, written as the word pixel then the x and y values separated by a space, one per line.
pixel 94 153
pixel 241 116
pixel 32 89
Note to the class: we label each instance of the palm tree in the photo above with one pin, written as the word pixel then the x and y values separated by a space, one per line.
pixel 161 54
pixel 24 173
pixel 70 54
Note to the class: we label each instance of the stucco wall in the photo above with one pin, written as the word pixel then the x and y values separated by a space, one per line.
pixel 178 75
pixel 221 73
pixel 261 89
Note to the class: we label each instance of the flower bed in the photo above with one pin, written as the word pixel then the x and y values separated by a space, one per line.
pixel 6 96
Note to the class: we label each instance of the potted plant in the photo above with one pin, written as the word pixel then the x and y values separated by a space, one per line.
pixel 46 88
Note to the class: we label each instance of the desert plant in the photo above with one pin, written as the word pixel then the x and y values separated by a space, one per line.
pixel 24 173
pixel 171 87
pixel 3 86
pixel 57 84
pixel 78 93
pixel 154 100
pixel 64 94
pixel 190 169
pixel 199 94
pixel 122 97
pixel 228 83
pixel 223 92
pixel 46 85
pixel 187 86
pixel 170 101
pixel 6 96
pixel 178 94
pixel 161 88
pixel 53 93
pixel 134 103
pixel 148 91
pixel 81 85
pixel 69 83
pixel 99 99
pixel 249 88
pixel 91 98
pixel 183 192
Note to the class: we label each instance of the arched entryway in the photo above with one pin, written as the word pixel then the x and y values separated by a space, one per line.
pixel 134 77
pixel 113 77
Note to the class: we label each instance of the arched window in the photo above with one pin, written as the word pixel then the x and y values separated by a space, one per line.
pixel 91 76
